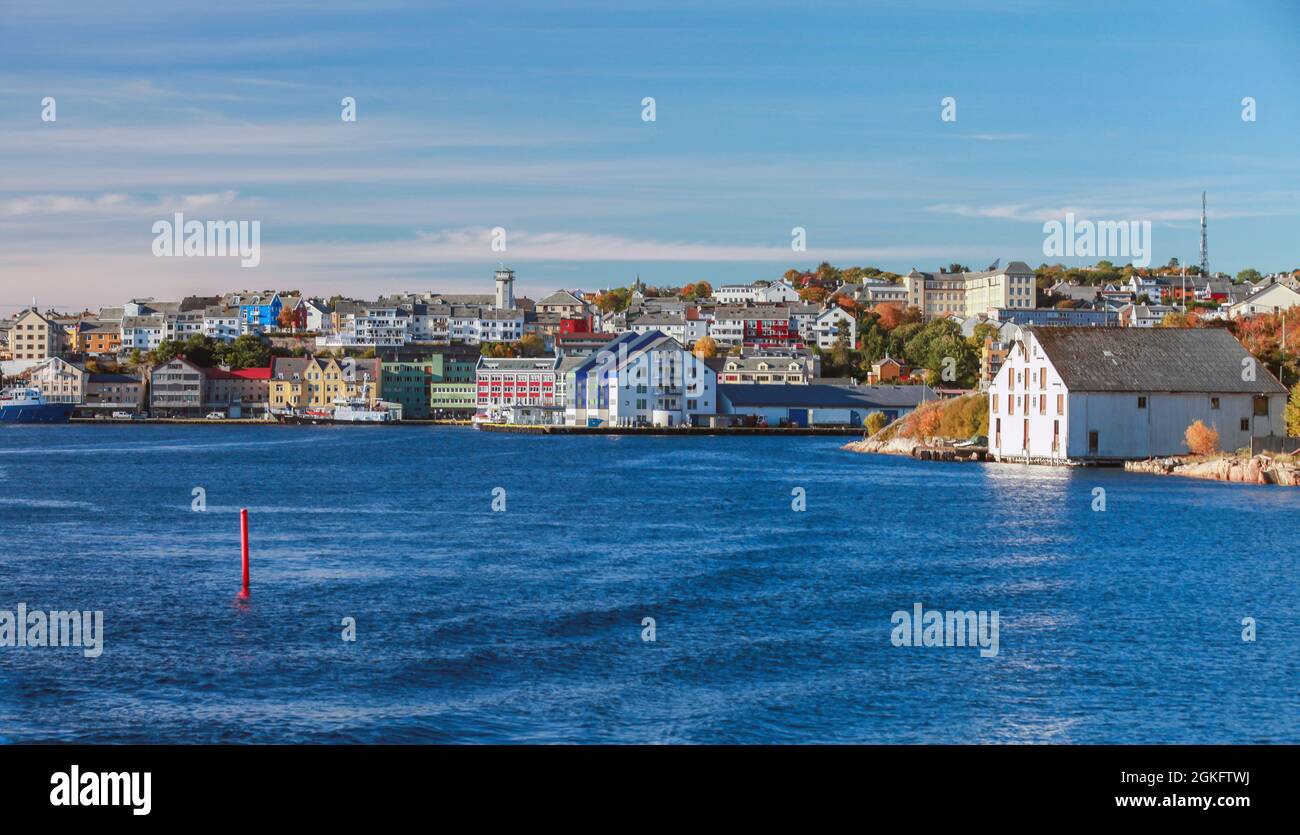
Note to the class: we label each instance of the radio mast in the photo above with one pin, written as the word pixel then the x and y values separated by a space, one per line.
pixel 1205 250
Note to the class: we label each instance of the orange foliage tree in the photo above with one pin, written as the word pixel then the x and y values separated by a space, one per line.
pixel 890 313
pixel 1201 439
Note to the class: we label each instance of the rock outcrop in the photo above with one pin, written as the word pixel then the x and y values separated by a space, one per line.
pixel 1261 469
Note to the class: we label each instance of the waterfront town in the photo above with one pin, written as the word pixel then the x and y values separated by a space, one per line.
pixel 1099 363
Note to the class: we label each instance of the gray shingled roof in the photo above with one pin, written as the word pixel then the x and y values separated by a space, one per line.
pixel 1152 359
pixel 757 395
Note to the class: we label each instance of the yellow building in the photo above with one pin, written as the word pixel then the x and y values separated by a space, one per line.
pixel 315 382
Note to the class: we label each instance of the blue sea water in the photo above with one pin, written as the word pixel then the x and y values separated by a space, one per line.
pixel 772 626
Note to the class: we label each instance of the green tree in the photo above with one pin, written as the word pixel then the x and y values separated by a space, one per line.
pixel 247 351
pixel 1249 274
pixel 840 350
pixel 166 351
pixel 873 338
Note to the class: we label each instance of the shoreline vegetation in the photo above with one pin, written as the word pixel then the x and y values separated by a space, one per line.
pixel 935 425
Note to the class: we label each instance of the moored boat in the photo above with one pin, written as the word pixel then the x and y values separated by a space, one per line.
pixel 28 405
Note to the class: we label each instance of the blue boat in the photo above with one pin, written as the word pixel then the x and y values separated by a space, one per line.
pixel 28 405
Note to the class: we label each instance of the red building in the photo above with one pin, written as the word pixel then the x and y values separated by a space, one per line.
pixel 574 325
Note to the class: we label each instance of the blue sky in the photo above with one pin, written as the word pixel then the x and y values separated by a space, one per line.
pixel 769 116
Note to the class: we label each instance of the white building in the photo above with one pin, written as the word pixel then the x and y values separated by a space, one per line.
pixel 770 366
pixel 383 324
pixel 59 380
pixel 686 328
pixel 521 389
pixel 878 291
pixel 828 325
pixel 182 324
pixel 1079 395
pixel 641 380
pixel 142 332
pixel 1272 299
pixel 222 323
pixel 778 291
pixel 318 315
pixel 736 293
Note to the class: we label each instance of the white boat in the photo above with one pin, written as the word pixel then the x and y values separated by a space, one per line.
pixel 349 410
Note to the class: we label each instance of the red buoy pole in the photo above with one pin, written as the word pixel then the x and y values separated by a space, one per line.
pixel 243 541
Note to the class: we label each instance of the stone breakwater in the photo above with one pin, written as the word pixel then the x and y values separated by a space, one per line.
pixel 1262 469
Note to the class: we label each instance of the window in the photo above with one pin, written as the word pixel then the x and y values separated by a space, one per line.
pixel 1261 407
pixel 1214 402
pixel 995 404
pixel 1060 404
pixel 1245 424
pixel 1142 402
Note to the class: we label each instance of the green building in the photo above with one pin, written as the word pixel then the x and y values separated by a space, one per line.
pixel 455 395
pixel 407 381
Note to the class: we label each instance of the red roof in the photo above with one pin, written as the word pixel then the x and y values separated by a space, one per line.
pixel 241 374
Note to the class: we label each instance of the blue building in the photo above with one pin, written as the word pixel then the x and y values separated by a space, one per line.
pixel 260 312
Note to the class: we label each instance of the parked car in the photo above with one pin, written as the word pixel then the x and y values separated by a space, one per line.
pixel 216 415
pixel 121 416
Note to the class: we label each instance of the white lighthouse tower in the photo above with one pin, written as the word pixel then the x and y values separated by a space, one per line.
pixel 505 289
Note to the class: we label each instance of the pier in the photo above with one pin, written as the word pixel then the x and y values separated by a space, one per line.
pixel 675 431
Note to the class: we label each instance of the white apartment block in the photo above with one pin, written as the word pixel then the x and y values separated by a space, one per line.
pixel 641 380
pixel 143 333
pixel 736 293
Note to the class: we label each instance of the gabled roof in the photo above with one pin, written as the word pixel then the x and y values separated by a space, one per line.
pixel 1152 360
pixel 561 297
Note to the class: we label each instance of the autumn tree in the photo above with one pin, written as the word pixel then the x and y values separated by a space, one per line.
pixel 926 420
pixel 890 313
pixel 531 345
pixel 706 347
pixel 1201 439
pixel 875 422
pixel 812 295
pixel 1293 412
pixel 612 301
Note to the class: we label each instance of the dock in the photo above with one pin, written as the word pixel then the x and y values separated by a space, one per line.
pixel 672 431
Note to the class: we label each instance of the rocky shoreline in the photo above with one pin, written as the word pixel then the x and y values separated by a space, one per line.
pixel 1261 469
pixel 891 446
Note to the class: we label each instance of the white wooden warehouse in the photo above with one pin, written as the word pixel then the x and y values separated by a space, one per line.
pixel 1096 395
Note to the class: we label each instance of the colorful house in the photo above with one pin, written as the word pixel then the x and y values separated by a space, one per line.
pixel 260 312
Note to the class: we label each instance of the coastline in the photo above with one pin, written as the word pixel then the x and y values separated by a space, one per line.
pixel 1261 469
